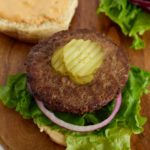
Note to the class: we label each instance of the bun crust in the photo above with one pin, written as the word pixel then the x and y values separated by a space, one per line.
pixel 32 32
pixel 55 136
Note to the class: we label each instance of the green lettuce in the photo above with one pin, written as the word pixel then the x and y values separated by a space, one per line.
pixel 115 136
pixel 132 20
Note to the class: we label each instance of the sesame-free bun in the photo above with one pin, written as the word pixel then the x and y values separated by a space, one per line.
pixel 55 136
pixel 41 24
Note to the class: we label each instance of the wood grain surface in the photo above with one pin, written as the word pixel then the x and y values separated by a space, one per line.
pixel 19 134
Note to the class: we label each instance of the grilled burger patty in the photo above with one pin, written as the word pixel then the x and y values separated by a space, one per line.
pixel 60 93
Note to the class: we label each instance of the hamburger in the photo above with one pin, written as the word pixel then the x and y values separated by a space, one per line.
pixel 79 89
pixel 34 20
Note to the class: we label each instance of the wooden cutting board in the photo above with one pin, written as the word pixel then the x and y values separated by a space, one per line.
pixel 19 134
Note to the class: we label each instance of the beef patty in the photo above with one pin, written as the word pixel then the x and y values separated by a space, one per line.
pixel 60 93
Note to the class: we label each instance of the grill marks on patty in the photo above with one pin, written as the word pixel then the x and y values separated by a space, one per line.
pixel 58 92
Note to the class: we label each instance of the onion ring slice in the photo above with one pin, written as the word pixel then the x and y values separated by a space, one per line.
pixel 144 4
pixel 78 128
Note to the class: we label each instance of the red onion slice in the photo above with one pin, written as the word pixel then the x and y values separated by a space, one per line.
pixel 78 128
pixel 144 4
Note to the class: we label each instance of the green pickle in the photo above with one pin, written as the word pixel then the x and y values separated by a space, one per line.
pixel 57 61
pixel 79 59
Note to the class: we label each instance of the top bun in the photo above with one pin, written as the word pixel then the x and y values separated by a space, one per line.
pixel 34 20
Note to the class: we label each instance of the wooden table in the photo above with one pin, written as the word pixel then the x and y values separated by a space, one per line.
pixel 23 134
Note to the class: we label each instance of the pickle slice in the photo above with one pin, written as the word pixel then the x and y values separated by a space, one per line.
pixel 78 59
pixel 82 58
pixel 57 61
pixel 82 80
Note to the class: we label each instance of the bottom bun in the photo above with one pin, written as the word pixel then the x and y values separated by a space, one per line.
pixel 55 136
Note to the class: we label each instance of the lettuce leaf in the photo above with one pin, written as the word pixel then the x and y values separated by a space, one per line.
pixel 132 20
pixel 116 135
pixel 118 139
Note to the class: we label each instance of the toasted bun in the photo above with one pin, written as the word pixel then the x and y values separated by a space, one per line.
pixel 32 32
pixel 55 136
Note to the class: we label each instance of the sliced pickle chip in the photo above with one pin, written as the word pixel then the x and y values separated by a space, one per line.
pixel 57 61
pixel 78 59
pixel 82 80
pixel 82 58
